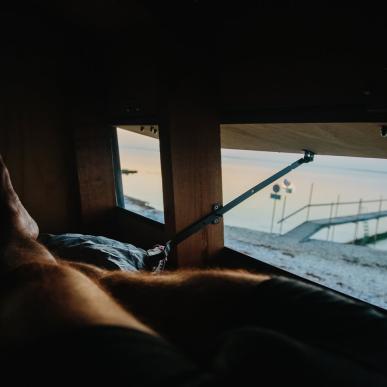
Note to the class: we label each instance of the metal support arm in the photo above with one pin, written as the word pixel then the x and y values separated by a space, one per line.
pixel 218 210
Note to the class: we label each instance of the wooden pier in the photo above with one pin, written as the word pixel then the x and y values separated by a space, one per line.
pixel 304 231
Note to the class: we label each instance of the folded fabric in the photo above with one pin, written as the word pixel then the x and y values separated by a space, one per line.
pixel 103 252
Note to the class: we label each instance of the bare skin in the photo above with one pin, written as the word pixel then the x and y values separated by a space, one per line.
pixel 189 308
pixel 172 304
pixel 34 282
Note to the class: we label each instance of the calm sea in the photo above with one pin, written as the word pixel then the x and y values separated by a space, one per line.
pixel 334 179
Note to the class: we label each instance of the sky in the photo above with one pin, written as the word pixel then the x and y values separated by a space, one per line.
pixel 334 178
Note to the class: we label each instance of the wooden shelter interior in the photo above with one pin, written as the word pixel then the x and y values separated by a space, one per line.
pixel 260 78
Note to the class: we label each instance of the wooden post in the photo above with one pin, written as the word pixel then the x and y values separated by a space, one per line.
pixel 190 157
pixel 191 169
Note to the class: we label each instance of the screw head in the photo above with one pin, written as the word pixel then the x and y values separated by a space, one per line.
pixel 216 206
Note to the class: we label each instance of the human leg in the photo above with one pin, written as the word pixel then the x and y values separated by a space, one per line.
pixel 190 308
pixel 39 294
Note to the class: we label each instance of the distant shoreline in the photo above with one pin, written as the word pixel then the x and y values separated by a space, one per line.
pixel 143 208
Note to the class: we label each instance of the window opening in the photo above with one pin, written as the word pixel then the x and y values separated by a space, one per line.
pixel 140 171
pixel 326 223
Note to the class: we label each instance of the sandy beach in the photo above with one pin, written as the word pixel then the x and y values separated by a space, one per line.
pixel 358 271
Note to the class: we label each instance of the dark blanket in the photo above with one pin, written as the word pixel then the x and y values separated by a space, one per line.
pixel 301 336
pixel 100 251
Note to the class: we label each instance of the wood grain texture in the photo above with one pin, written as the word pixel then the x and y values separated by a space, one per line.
pixel 95 173
pixel 132 228
pixel 358 139
pixel 339 139
pixel 191 165
pixel 36 143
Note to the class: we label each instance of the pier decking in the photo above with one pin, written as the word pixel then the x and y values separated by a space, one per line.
pixel 304 231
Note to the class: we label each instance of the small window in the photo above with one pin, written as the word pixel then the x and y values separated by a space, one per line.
pixel 140 171
pixel 326 221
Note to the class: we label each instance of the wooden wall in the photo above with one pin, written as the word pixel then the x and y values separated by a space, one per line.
pixel 34 127
pixel 39 154
pixel 54 133
pixel 191 165
pixel 65 81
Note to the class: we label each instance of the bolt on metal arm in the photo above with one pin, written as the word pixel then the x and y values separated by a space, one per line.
pixel 308 156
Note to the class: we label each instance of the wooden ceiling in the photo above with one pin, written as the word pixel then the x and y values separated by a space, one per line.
pixel 268 65
pixel 339 139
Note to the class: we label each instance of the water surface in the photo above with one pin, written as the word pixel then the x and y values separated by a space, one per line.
pixel 334 178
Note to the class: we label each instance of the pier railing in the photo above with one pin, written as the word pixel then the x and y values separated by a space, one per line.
pixel 331 204
pixel 333 215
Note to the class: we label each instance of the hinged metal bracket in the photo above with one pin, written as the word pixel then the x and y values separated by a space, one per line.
pixel 218 210
pixel 308 156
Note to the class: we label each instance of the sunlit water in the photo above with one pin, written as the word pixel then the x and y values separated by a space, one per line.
pixel 349 178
